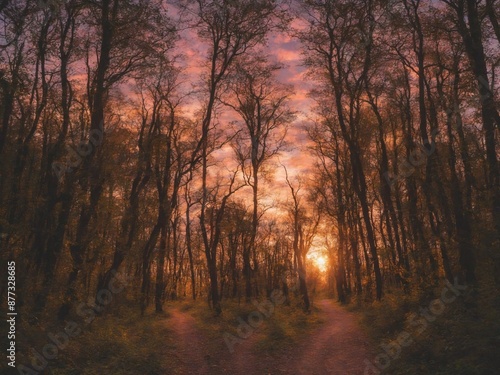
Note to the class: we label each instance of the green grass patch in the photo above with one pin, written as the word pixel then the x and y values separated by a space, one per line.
pixel 121 343
pixel 214 326
pixel 285 325
pixel 462 340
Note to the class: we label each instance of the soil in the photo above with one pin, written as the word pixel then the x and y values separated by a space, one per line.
pixel 339 346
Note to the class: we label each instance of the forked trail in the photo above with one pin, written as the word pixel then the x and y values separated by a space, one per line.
pixel 339 346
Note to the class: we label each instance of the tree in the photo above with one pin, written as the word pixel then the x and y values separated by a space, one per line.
pixel 262 105
pixel 332 39
pixel 304 230
pixel 231 29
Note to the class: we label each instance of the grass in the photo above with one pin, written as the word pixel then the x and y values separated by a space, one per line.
pixel 284 326
pixel 120 343
pixel 463 340
pixel 287 327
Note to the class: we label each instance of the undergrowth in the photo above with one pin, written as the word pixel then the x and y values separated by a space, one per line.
pixel 119 342
pixel 463 339
pixel 276 329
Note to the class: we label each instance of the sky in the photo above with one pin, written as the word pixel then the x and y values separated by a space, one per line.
pixel 285 50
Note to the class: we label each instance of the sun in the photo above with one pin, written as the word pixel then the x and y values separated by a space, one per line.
pixel 319 261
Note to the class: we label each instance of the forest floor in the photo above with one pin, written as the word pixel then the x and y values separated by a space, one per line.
pixel 338 346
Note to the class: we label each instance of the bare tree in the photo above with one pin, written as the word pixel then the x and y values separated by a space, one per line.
pixel 335 41
pixel 231 29
pixel 304 231
pixel 262 105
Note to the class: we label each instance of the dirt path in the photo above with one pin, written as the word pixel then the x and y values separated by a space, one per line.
pixel 339 346
pixel 200 357
pixel 192 349
pixel 243 360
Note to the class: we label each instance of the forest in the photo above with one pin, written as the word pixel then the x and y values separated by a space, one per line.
pixel 170 167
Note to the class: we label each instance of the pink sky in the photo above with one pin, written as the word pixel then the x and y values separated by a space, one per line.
pixel 281 48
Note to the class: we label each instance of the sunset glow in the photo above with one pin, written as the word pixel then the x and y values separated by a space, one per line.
pixel 191 172
pixel 319 261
